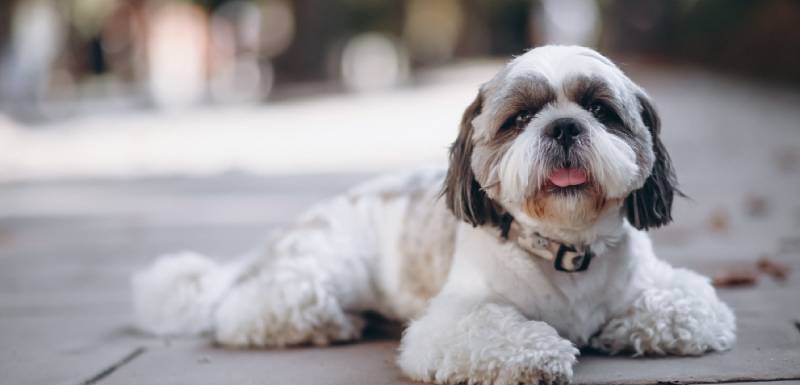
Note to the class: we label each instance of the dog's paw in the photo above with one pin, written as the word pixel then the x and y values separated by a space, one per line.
pixel 556 368
pixel 493 345
pixel 551 367
pixel 665 321
pixel 282 311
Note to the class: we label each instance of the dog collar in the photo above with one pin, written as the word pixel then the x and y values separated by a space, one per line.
pixel 565 257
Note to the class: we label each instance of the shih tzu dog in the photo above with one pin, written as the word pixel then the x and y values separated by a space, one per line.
pixel 529 246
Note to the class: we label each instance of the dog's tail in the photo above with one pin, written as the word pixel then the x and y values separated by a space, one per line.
pixel 177 294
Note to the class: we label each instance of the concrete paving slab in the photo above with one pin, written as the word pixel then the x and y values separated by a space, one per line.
pixel 57 350
pixel 767 348
pixel 65 265
pixel 198 363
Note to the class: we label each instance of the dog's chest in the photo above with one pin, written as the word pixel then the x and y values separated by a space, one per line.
pixel 575 304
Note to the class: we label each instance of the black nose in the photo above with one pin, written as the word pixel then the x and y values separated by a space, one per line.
pixel 564 131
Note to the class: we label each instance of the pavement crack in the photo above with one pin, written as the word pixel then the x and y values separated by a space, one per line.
pixel 797 325
pixel 116 365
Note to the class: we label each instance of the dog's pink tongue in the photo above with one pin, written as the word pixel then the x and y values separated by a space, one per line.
pixel 563 177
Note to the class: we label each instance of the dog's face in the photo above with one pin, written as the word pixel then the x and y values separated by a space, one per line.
pixel 560 136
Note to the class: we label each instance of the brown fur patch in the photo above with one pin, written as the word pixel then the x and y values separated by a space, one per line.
pixel 426 246
pixel 528 93
pixel 549 207
pixel 584 89
pixel 462 192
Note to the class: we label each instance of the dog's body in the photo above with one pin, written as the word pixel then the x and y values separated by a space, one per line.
pixel 484 308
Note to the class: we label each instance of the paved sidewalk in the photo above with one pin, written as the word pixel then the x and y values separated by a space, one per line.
pixel 67 250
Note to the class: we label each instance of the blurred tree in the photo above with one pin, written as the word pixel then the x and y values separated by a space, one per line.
pixel 498 28
pixel 323 25
pixel 758 38
pixel 6 7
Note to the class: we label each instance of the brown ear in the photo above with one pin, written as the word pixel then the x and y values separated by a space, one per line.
pixel 651 205
pixel 463 193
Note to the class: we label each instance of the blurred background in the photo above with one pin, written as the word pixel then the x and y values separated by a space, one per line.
pixel 120 88
pixel 131 128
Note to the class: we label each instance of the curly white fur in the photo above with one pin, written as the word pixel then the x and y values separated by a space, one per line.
pixel 283 307
pixel 492 344
pixel 177 294
pixel 679 314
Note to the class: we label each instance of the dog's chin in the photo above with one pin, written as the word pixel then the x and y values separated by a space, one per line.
pixel 566 191
pixel 571 206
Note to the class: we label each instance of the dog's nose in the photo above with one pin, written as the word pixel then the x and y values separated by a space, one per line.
pixel 564 131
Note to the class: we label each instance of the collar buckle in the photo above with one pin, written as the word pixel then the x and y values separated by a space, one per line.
pixel 570 260
pixel 565 257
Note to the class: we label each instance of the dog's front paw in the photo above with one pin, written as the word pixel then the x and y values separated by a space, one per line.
pixel 664 321
pixel 556 368
pixel 551 365
pixel 491 346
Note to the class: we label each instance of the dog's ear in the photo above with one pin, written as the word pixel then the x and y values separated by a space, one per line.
pixel 463 193
pixel 651 205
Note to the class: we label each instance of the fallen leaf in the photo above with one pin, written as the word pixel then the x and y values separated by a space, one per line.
pixel 735 278
pixel 718 221
pixel 788 159
pixel 774 269
pixel 755 206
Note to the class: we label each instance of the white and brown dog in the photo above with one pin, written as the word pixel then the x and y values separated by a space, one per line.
pixel 536 248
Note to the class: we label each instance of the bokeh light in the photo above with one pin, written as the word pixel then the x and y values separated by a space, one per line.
pixel 423 16
pixel 569 21
pixel 36 40
pixel 177 55
pixel 277 27
pixel 372 61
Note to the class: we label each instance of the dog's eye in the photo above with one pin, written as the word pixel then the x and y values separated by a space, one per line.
pixel 517 122
pixel 603 113
pixel 599 110
pixel 522 119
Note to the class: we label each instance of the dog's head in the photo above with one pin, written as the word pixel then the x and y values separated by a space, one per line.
pixel 560 136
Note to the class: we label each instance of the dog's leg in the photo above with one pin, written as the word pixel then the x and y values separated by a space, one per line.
pixel 251 302
pixel 307 288
pixel 291 302
pixel 176 295
pixel 676 312
pixel 466 341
